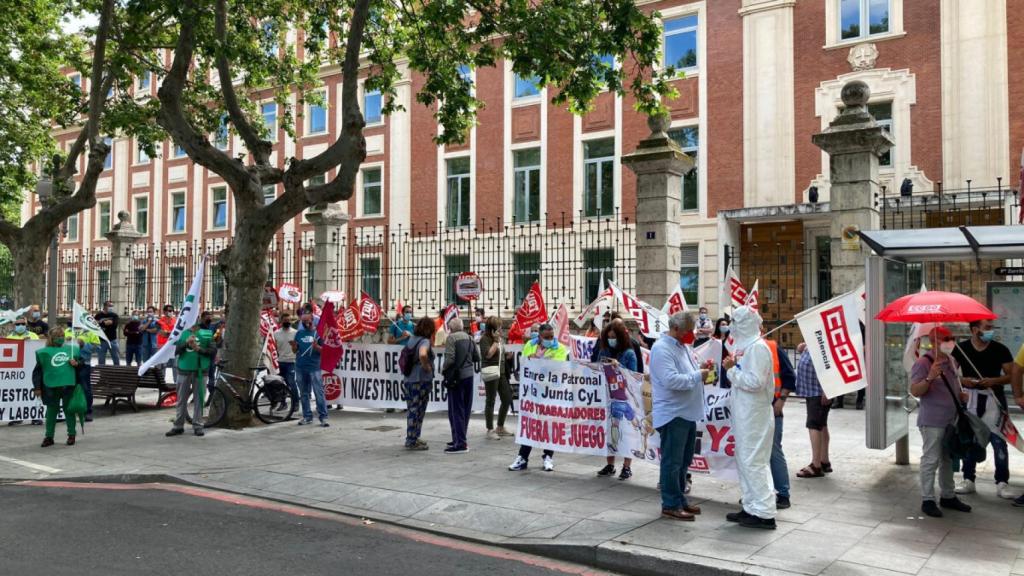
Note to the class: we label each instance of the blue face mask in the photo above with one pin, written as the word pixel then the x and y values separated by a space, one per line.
pixel 36 315
pixel 613 342
pixel 550 343
pixel 988 335
pixel 724 329
pixel 20 329
pixel 407 315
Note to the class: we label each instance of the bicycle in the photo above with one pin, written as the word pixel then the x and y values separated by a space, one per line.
pixel 269 397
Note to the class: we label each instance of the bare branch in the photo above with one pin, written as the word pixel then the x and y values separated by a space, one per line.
pixel 172 115
pixel 349 150
pixel 259 147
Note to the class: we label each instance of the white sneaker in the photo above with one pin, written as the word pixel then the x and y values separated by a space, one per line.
pixel 549 464
pixel 518 464
pixel 966 487
pixel 1003 491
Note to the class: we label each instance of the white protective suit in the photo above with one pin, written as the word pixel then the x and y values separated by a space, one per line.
pixel 752 416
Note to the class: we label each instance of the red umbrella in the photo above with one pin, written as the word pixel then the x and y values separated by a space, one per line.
pixel 935 307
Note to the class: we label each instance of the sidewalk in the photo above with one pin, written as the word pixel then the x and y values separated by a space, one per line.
pixel 863 519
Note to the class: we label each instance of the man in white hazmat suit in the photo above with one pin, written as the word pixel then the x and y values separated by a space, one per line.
pixel 751 374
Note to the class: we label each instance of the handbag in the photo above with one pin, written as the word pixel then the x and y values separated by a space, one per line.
pixel 492 373
pixel 968 436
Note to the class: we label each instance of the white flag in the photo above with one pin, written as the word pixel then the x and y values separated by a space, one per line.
pixel 832 333
pixel 733 292
pixel 649 319
pixel 676 303
pixel 188 316
pixel 597 308
pixel 752 297
pixel 82 321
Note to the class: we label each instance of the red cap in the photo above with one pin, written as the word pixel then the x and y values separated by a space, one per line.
pixel 942 332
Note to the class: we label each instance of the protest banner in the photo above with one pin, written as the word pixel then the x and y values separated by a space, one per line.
pixel 563 406
pixel 17 360
pixel 832 333
pixel 627 432
pixel 581 348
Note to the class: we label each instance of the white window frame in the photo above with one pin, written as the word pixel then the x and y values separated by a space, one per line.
pixel 308 120
pixel 145 88
pixel 110 154
pixel 693 152
pixel 170 213
pixel 76 79
pixel 213 207
pixel 522 100
pixel 135 211
pixel 141 158
pixel 585 162
pixel 470 75
pixel 361 190
pixel 687 11
pixel 73 237
pixel 174 151
pixel 833 26
pixel 363 93
pixel 217 142
pixel 273 188
pixel 446 179
pixel 539 167
pixel 99 217
pixel 273 131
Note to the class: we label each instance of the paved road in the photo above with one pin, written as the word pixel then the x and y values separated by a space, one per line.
pixel 136 530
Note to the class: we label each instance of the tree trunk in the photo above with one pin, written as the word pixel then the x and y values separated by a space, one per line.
pixel 29 256
pixel 245 269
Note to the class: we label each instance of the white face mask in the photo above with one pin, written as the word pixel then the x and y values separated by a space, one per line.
pixel 947 347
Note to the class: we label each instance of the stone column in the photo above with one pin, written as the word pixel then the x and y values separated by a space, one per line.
pixel 659 165
pixel 327 249
pixel 853 142
pixel 121 238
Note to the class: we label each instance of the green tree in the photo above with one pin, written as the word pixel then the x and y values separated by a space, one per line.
pixel 224 50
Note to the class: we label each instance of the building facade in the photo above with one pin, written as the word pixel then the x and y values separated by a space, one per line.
pixel 538 193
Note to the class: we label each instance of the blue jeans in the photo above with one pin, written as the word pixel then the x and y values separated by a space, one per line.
pixel 112 347
pixel 287 370
pixel 1002 461
pixel 780 471
pixel 133 352
pixel 312 379
pixel 678 439
pixel 460 405
pixel 148 346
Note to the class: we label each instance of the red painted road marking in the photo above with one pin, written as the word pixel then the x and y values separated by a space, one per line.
pixel 407 533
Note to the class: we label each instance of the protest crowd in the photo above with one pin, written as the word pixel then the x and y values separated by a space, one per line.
pixel 685 392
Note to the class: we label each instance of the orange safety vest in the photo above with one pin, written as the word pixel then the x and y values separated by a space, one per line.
pixel 776 370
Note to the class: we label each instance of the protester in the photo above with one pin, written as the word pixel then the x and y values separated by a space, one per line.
pixel 149 327
pixel 36 324
pixel 108 321
pixel 494 373
pixel 935 384
pixel 57 363
pixel 165 325
pixel 133 341
pixel 86 343
pixel 1017 384
pixel 635 344
pixel 704 330
pixel 419 382
pixel 750 371
pixel 460 357
pixel 194 350
pixel 614 346
pixel 986 365
pixel 818 406
pixel 542 344
pixel 721 334
pixel 677 401
pixel 283 339
pixel 402 328
pixel 21 332
pixel 593 330
pixel 306 346
pixel 476 328
pixel 206 322
pixel 785 382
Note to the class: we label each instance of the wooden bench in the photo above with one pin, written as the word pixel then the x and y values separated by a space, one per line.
pixel 119 384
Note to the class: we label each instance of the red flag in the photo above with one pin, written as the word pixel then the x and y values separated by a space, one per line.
pixel 560 320
pixel 369 313
pixel 450 313
pixel 327 330
pixel 268 325
pixel 515 333
pixel 349 323
pixel 532 311
pixel 398 310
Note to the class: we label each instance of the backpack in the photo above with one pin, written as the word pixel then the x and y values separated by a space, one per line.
pixel 409 357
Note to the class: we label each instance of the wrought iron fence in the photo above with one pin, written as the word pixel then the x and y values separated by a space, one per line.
pixel 414 265
pixel 949 207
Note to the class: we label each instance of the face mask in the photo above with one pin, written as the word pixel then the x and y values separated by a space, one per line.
pixel 703 316
pixel 613 342
pixel 688 338
pixel 947 347
pixel 36 315
pixel 724 329
pixel 550 343
pixel 987 335
pixel 58 342
pixel 20 329
pixel 407 316
pixel 135 317
pixel 110 310
pixel 286 325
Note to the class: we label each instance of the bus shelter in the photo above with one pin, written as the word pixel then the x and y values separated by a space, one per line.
pixel 894 270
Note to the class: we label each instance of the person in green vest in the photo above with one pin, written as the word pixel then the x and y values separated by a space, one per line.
pixel 57 363
pixel 88 342
pixel 194 351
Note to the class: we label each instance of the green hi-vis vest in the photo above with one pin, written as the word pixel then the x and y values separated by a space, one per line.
pixel 55 363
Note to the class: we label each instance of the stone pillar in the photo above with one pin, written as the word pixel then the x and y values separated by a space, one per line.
pixel 659 165
pixel 327 250
pixel 121 238
pixel 853 142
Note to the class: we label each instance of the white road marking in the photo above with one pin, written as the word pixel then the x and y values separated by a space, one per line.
pixel 30 465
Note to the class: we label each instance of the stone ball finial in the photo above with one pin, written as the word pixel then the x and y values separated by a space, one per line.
pixel 124 216
pixel 659 124
pixel 855 94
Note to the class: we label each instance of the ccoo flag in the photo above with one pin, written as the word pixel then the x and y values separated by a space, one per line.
pixel 84 322
pixel 832 333
pixel 188 316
